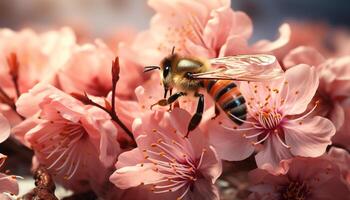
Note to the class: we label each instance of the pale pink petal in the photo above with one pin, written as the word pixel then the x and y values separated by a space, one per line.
pixel 204 190
pixel 28 103
pixel 5 129
pixel 230 145
pixel 271 154
pixel 303 55
pixel 133 175
pixel 309 137
pixel 342 137
pixel 211 166
pixel 23 128
pixel 337 115
pixel 225 23
pixel 8 184
pixel 268 46
pixel 302 83
pixel 234 46
pixel 109 147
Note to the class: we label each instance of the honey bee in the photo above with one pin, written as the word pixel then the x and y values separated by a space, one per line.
pixel 190 75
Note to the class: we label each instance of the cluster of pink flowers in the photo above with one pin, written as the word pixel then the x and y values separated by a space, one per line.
pixel 84 110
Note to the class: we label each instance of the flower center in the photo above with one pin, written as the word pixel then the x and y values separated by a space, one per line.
pixel 269 119
pixel 174 162
pixel 296 191
pixel 60 149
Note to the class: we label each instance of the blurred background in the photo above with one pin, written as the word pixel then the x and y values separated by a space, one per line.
pixel 101 17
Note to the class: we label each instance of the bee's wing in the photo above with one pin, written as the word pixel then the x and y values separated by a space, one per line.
pixel 259 67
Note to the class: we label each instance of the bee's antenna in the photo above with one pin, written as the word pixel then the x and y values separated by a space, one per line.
pixel 150 68
pixel 173 50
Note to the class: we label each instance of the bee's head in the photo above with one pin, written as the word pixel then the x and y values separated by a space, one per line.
pixel 165 69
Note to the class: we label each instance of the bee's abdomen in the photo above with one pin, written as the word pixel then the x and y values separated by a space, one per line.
pixel 228 97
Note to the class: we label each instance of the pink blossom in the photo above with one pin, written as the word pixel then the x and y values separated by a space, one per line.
pixel 307 178
pixel 75 142
pixel 166 163
pixel 8 184
pixel 39 56
pixel 88 70
pixel 333 92
pixel 275 126
pixel 208 29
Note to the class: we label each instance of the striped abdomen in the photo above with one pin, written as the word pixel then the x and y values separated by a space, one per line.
pixel 228 97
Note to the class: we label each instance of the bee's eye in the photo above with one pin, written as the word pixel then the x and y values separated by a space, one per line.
pixel 167 67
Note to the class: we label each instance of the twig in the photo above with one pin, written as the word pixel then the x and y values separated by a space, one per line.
pixel 111 110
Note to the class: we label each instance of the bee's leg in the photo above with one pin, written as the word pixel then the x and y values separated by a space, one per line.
pixel 217 112
pixel 171 105
pixel 197 117
pixel 170 100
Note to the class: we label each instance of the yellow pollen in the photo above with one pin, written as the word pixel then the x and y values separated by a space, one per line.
pixel 146 157
pixel 276 91
pixel 300 123
pixel 154 130
pixel 153 145
pixel 296 92
pixel 141 164
pixel 159 141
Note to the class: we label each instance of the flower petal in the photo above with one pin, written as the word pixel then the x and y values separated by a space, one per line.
pixel 303 55
pixel 230 145
pixel 302 83
pixel 128 175
pixel 310 138
pixel 211 166
pixel 268 46
pixel 5 128
pixel 272 153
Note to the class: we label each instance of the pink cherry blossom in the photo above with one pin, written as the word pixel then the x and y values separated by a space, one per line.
pixel 307 178
pixel 75 142
pixel 92 62
pixel 333 92
pixel 208 29
pixel 39 56
pixel 167 164
pixel 274 125
pixel 8 183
